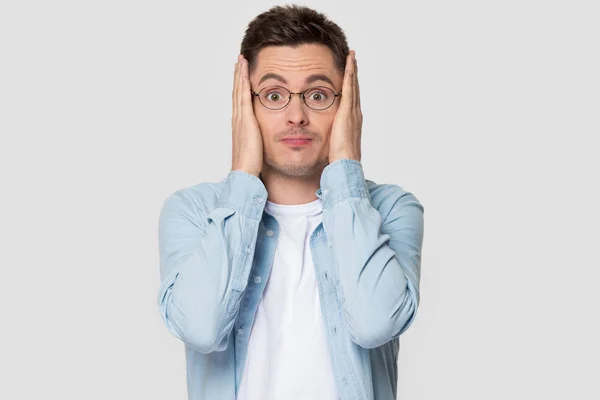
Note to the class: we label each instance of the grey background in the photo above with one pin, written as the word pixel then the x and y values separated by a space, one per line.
pixel 486 110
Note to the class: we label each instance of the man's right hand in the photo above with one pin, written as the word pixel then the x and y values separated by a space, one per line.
pixel 247 145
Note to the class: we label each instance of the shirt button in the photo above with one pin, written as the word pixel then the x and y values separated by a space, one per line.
pixel 259 199
pixel 240 331
pixel 325 191
pixel 249 249
pixel 258 279
pixel 269 233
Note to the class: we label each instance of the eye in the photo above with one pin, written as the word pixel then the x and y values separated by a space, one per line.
pixel 273 96
pixel 318 95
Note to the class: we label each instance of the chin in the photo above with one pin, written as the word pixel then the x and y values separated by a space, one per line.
pixel 297 169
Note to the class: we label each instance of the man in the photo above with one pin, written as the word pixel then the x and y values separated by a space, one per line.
pixel 293 277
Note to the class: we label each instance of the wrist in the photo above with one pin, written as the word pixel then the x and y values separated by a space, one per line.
pixel 247 170
pixel 350 156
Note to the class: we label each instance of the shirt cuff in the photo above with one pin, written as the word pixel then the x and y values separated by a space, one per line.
pixel 245 193
pixel 342 179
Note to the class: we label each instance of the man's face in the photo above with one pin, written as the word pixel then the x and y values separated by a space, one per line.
pixel 294 66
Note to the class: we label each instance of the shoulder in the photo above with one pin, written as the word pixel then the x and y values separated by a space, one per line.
pixel 386 197
pixel 194 200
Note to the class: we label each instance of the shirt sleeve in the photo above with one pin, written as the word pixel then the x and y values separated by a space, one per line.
pixel 206 246
pixel 377 257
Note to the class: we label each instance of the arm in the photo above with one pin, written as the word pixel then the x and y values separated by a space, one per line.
pixel 206 247
pixel 378 263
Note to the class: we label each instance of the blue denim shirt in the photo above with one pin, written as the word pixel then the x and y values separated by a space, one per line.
pixel 215 240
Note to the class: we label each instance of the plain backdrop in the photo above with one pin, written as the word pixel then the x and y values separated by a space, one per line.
pixel 487 111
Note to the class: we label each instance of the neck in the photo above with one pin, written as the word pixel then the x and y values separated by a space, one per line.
pixel 290 190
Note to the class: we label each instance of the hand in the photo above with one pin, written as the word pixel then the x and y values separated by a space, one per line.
pixel 347 124
pixel 247 145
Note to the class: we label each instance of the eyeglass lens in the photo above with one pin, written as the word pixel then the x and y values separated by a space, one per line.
pixel 276 97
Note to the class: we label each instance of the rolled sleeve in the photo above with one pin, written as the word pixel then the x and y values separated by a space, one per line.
pixel 244 193
pixel 341 180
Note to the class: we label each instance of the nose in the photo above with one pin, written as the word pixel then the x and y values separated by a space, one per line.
pixel 296 114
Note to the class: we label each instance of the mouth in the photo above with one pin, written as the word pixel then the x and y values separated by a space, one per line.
pixel 297 141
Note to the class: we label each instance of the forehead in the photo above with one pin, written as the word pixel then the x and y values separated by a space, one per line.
pixel 295 63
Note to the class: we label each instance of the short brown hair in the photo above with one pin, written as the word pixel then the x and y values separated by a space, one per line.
pixel 293 25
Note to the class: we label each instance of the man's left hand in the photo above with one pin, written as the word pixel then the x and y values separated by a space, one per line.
pixel 347 124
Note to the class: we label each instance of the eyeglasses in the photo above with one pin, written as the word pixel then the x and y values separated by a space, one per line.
pixel 276 97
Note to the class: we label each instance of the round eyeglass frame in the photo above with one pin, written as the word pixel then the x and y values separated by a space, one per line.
pixel 301 94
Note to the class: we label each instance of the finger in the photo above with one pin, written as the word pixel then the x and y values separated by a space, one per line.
pixel 235 86
pixel 354 100
pixel 356 84
pixel 353 80
pixel 239 87
pixel 246 96
pixel 347 84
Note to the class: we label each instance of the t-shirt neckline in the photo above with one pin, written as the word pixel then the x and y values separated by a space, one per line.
pixel 307 209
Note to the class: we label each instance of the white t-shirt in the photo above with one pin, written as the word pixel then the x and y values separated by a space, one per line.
pixel 288 355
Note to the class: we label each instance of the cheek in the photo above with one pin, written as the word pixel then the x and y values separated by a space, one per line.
pixel 325 122
pixel 267 122
pixel 261 116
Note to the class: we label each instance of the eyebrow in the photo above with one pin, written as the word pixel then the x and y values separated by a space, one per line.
pixel 309 79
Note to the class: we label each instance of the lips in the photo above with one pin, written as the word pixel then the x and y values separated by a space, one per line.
pixel 297 140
